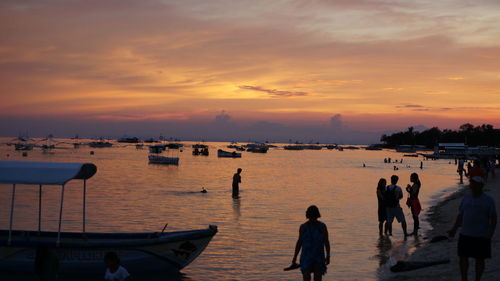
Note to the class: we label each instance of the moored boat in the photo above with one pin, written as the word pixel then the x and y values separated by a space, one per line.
pixel 82 252
pixel 129 140
pixel 156 159
pixel 227 154
pixel 100 144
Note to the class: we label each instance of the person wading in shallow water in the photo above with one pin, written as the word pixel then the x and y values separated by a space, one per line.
pixel 413 202
pixel 312 243
pixel 382 212
pixel 477 218
pixel 393 194
pixel 236 183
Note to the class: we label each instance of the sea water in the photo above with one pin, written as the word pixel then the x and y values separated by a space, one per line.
pixel 258 231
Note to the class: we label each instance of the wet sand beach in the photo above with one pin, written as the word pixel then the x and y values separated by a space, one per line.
pixel 442 218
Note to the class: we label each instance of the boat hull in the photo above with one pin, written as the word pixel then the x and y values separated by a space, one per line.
pixel 141 252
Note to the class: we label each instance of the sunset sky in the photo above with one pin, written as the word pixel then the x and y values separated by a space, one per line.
pixel 362 66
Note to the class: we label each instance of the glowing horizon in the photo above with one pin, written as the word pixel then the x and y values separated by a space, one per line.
pixel 383 64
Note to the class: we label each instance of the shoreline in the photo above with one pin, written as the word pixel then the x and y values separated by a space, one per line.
pixel 441 218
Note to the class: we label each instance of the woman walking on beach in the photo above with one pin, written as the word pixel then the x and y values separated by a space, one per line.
pixel 382 212
pixel 413 201
pixel 312 243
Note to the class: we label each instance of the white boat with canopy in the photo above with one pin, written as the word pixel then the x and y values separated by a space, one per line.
pixel 83 252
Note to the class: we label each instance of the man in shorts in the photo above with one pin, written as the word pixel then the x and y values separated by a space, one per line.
pixel 393 194
pixel 477 218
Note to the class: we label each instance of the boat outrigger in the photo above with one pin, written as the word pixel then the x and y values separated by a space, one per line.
pixel 82 252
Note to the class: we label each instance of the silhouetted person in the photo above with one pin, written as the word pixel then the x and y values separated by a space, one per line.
pixel 476 170
pixel 236 183
pixel 46 264
pixel 477 218
pixel 392 195
pixel 313 242
pixel 114 271
pixel 382 211
pixel 413 201
pixel 421 165
pixel 461 170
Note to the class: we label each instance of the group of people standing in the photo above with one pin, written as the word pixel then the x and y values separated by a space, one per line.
pixel 389 197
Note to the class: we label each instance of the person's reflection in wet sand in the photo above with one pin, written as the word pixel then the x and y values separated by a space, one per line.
pixel 384 245
pixel 236 208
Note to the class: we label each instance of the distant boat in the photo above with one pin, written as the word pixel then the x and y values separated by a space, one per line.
pixel 150 140
pixel 350 147
pixel 156 148
pixel 293 147
pixel 313 147
pixel 373 147
pixel 129 140
pixel 331 146
pixel 406 148
pixel 156 159
pixel 257 148
pixel 227 154
pixel 100 144
pixel 174 145
pixel 80 253
pixel 198 145
pixel 22 146
pixel 237 147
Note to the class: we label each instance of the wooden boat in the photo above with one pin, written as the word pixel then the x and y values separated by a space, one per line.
pixel 227 154
pixel 293 147
pixel 156 148
pixel 156 159
pixel 258 149
pixel 22 146
pixel 128 140
pixel 100 144
pixel 81 253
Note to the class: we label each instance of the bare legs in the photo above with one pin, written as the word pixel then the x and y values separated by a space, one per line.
pixel 464 268
pixel 403 225
pixel 316 272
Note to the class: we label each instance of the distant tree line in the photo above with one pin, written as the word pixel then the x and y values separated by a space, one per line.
pixel 484 135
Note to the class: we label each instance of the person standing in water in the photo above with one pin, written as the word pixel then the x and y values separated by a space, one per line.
pixel 413 201
pixel 313 242
pixel 460 169
pixel 393 194
pixel 236 183
pixel 382 212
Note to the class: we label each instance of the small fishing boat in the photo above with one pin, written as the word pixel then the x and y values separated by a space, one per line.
pixel 81 253
pixel 258 149
pixel 204 151
pixel 156 159
pixel 198 145
pixel 23 146
pixel 293 147
pixel 227 154
pixel 100 144
pixel 128 140
pixel 156 148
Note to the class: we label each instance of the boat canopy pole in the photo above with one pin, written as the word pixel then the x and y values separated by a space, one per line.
pixel 11 213
pixel 84 196
pixel 39 208
pixel 60 216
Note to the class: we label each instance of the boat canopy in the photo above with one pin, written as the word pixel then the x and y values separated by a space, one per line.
pixel 44 173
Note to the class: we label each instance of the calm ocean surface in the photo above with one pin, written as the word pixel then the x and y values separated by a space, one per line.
pixel 257 233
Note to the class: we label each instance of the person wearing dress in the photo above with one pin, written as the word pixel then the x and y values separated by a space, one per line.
pixel 413 201
pixel 312 244
pixel 382 212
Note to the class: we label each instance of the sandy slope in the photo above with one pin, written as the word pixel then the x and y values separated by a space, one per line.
pixel 442 220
